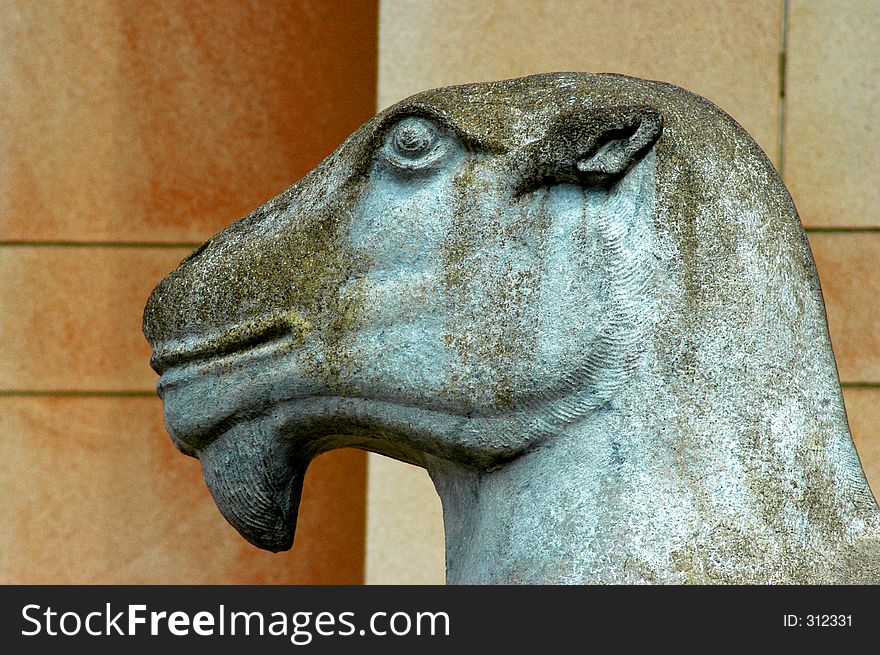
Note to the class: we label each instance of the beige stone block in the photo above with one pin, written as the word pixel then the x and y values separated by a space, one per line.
pixel 404 525
pixel 94 492
pixel 725 51
pixel 832 108
pixel 849 269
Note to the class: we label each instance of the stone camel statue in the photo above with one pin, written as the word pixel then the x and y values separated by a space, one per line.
pixel 584 303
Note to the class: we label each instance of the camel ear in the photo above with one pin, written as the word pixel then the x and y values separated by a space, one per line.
pixel 620 145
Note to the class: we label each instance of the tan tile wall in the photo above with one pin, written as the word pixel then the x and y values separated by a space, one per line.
pixel 832 167
pixel 849 269
pixel 832 109
pixel 129 131
pixel 728 52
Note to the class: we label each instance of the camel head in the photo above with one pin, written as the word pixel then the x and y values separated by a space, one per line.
pixel 481 272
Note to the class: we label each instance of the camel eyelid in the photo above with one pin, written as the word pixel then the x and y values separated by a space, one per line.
pixel 444 126
pixel 394 119
pixel 432 143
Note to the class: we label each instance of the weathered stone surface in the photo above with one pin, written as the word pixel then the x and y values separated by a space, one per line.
pixel 584 303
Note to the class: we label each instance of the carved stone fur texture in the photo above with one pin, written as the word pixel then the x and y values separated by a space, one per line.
pixel 584 303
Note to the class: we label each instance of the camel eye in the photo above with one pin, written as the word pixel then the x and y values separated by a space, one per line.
pixel 414 137
pixel 416 143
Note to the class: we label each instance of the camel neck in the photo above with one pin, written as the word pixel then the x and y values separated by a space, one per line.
pixel 533 520
pixel 620 501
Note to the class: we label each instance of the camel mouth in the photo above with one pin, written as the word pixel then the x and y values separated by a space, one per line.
pixel 234 340
pixel 210 381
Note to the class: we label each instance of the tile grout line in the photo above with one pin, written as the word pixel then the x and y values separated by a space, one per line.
pixel 45 393
pixel 868 229
pixel 98 244
pixel 783 56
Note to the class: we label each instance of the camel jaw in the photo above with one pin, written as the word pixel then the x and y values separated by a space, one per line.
pixel 255 421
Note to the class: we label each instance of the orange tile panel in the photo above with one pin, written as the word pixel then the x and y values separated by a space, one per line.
pixel 849 269
pixel 165 121
pixel 70 318
pixel 94 492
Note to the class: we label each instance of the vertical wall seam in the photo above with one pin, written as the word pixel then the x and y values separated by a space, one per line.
pixel 370 466
pixel 380 6
pixel 783 62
